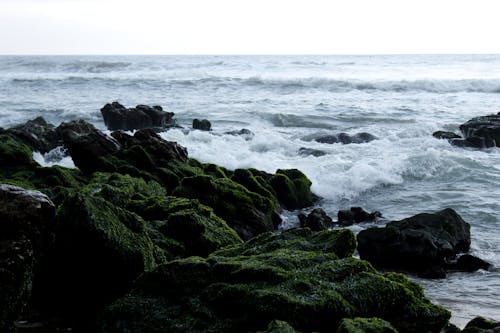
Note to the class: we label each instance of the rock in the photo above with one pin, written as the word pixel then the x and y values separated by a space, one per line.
pixel 26 224
pixel 292 188
pixel 245 133
pixel 118 117
pixel 365 325
pixel 246 212
pixel 297 276
pixel 445 135
pixel 311 152
pixel 421 244
pixel 481 325
pixel 356 215
pixel 86 145
pixel 317 220
pixel 482 132
pixel 14 153
pixel 469 263
pixel 345 138
pixel 38 134
pixel 279 326
pixel 203 125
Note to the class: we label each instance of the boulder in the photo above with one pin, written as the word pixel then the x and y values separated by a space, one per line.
pixel 247 212
pixel 292 188
pixel 317 220
pixel 38 134
pixel 86 144
pixel 14 153
pixel 298 277
pixel 469 263
pixel 482 132
pixel 356 215
pixel 203 124
pixel 118 117
pixel 482 325
pixel 345 138
pixel 365 325
pixel 26 224
pixel 422 244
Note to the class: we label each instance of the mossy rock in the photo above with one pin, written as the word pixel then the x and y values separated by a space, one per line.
pixel 279 326
pixel 481 325
pixel 246 212
pixel 254 183
pixel 237 290
pixel 14 153
pixel 181 227
pixel 365 325
pixel 292 188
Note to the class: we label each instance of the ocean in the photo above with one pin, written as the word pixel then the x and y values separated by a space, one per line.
pixel 286 101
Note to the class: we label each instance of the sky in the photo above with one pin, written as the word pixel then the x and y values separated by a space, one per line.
pixel 249 26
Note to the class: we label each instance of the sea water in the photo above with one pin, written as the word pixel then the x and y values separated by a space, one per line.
pixel 287 100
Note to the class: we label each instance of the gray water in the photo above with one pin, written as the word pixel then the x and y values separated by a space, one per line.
pixel 286 99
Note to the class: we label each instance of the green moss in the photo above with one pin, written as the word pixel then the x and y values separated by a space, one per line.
pixel 14 152
pixel 481 325
pixel 292 188
pixel 253 183
pixel 247 212
pixel 278 326
pixel 215 170
pixel 365 325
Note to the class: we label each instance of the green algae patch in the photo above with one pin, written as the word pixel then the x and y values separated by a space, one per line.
pixel 293 188
pixel 365 325
pixel 291 278
pixel 14 152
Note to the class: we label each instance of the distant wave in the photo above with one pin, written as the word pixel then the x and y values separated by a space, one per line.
pixel 280 85
pixel 76 66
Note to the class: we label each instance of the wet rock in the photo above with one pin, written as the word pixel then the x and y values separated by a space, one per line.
pixel 203 124
pixel 26 224
pixel 118 117
pixel 317 220
pixel 469 263
pixel 38 134
pixel 311 152
pixel 356 215
pixel 365 325
pixel 14 153
pixel 421 244
pixel 446 135
pixel 86 144
pixel 306 279
pixel 482 325
pixel 345 138
pixel 247 212
pixel 279 326
pixel 292 188
pixel 245 133
pixel 482 132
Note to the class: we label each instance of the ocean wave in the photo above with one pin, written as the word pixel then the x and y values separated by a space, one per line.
pixel 94 66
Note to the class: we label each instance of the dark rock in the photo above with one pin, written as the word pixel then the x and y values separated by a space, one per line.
pixel 317 220
pixel 482 325
pixel 203 125
pixel 118 117
pixel 311 152
pixel 345 138
pixel 482 132
pixel 446 135
pixel 279 326
pixel 307 279
pixel 450 328
pixel 246 133
pixel 421 244
pixel 38 134
pixel 292 188
pixel 246 212
pixel 365 325
pixel 26 224
pixel 469 263
pixel 356 215
pixel 86 144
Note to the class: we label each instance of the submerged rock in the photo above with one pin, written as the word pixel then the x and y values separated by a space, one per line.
pixel 317 220
pixel 311 152
pixel 245 133
pixel 118 117
pixel 422 244
pixel 345 138
pixel 446 135
pixel 305 279
pixel 356 215
pixel 203 124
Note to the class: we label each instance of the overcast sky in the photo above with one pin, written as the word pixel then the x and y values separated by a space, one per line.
pixel 248 26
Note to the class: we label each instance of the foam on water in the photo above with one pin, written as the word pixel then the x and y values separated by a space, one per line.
pixel 57 156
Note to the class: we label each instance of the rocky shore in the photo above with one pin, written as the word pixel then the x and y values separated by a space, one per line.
pixel 141 238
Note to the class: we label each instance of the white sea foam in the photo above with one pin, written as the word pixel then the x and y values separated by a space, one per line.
pixel 57 156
